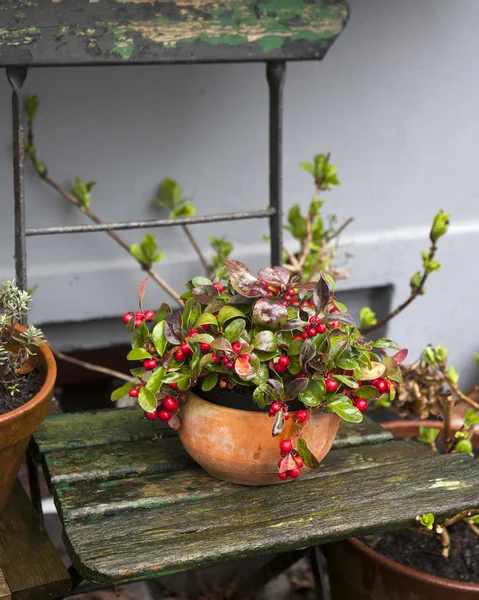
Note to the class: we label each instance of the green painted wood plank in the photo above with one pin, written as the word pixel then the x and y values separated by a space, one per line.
pixel 189 535
pixel 31 565
pixel 117 426
pixel 52 32
pixel 92 499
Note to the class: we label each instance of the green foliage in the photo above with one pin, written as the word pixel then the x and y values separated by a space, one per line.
pixel 221 251
pixel 428 435
pixel 146 252
pixel 323 172
pixel 427 520
pixel 440 226
pixel 82 192
pixel 464 446
pixel 171 198
pixel 32 104
pixel 436 356
pixel 452 374
pixel 367 317
pixel 471 418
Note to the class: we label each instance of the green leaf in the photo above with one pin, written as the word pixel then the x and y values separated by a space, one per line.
pixel 308 167
pixel 344 408
pixel 122 391
pixel 206 319
pixel 294 348
pixel 147 400
pixel 234 330
pixel 415 281
pixel 162 313
pixel 349 381
pixel 82 191
pixel 158 337
pixel 139 336
pixel 368 392
pixel 209 381
pixel 138 354
pixel 137 252
pixel 452 374
pixel 427 520
pixel 474 519
pixel 441 354
pixel 440 225
pixel 367 317
pixel 278 424
pixel 428 435
pixel 32 104
pixel 197 281
pixel 138 371
pixel 201 338
pixel 384 343
pixel 155 380
pixel 182 379
pixel 227 313
pixel 265 341
pixel 259 395
pixel 170 191
pixel 313 394
pixel 376 370
pixel 464 446
pixel 308 457
pixel 429 356
pixel 471 418
pixel 476 356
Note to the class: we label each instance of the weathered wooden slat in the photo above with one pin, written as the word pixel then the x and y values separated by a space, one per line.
pixel 30 563
pixel 4 589
pixel 117 426
pixel 93 499
pixel 52 32
pixel 189 535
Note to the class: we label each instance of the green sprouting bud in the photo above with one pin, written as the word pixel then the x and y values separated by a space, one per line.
pixel 32 104
pixel 427 520
pixel 440 225
pixel 415 281
pixel 367 317
pixel 41 167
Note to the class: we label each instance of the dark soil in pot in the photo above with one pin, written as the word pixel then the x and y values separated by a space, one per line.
pixel 422 552
pixel 27 386
pixel 240 398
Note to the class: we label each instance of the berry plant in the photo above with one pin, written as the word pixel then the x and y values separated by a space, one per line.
pixel 284 341
pixel 17 350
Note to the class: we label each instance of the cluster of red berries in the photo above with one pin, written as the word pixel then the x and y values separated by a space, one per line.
pixel 229 358
pixel 315 327
pixel 185 349
pixel 276 407
pixel 383 385
pixel 286 447
pixel 164 412
pixel 139 317
pixel 282 364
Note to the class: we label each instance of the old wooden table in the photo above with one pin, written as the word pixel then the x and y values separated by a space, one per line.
pixel 135 506
pixel 30 566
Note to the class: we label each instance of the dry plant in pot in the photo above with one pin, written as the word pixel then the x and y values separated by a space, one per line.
pixel 256 372
pixel 438 559
pixel 27 377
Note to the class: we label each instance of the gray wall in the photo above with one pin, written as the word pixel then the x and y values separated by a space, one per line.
pixel 396 102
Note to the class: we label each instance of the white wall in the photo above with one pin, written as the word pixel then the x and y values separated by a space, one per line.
pixel 396 102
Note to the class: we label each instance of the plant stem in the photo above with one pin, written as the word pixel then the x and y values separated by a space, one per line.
pixel 93 217
pixel 460 516
pixel 448 436
pixel 473 526
pixel 414 294
pixel 92 367
pixel 457 391
pixel 198 251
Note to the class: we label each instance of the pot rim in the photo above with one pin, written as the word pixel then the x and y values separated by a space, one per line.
pixel 398 568
pixel 39 397
pixel 393 565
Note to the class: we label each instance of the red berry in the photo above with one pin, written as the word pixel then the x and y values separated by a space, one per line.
pixel 127 317
pixel 301 416
pixel 361 404
pixel 205 348
pixel 170 403
pixel 304 335
pixel 334 310
pixel 321 328
pixel 275 407
pixel 286 446
pixel 206 327
pixel 284 303
pixel 164 415
pixel 285 415
pixel 382 386
pixel 149 314
pixel 216 359
pixel 291 292
pixel 138 322
pixel 297 336
pixel 270 412
pixel 134 392
pixel 294 473
pixel 236 347
pixel 149 364
pixel 150 416
pixel 283 361
pixel 295 303
pixel 139 315
pixel 185 348
pixel 229 364
pixel 283 475
pixel 311 331
pixel 179 355
pixel 393 385
pixel 173 385
pixel 331 385
pixel 279 368
pixel 265 283
pixel 218 286
pixel 287 298
pixel 247 357
pixel 269 293
pixel 334 323
pixel 299 462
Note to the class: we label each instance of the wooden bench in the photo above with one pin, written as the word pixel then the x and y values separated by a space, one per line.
pixel 30 566
pixel 135 506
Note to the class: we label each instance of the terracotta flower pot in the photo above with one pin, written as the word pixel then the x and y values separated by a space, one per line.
pixel 17 426
pixel 359 573
pixel 237 445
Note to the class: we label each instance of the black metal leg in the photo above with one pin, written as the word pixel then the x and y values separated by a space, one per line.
pixel 318 565
pixel 34 482
pixel 16 78
pixel 276 73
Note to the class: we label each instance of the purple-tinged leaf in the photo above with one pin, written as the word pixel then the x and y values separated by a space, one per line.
pixel 287 464
pixel 221 344
pixel 293 324
pixel 321 294
pixel 278 424
pixel 174 422
pixel 177 322
pixel 274 275
pixel 141 291
pixel 306 285
pixel 339 316
pixel 308 352
pixel 277 387
pixel 247 285
pixel 308 457
pixel 215 306
pixel 236 265
pixel 391 365
pixel 239 299
pixel 162 313
pixel 204 294
pixel 242 366
pixel 170 334
pixel 270 314
pixel 295 387
pixel 400 356
pixel 265 341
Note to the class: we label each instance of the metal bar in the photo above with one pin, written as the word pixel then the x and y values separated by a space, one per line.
pixel 16 78
pixel 276 73
pixel 320 572
pixel 236 216
pixel 34 481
